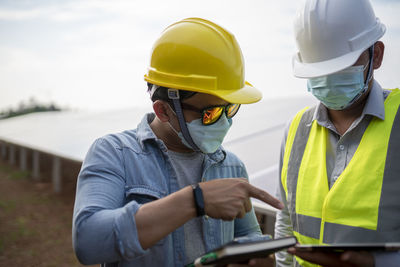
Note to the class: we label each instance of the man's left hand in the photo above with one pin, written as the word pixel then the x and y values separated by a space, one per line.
pixel 345 259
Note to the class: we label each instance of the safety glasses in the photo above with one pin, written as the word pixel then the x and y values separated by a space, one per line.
pixel 211 115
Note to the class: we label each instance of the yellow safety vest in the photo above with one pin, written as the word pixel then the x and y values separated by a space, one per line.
pixel 364 203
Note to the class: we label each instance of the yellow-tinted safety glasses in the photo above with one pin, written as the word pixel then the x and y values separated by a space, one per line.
pixel 211 115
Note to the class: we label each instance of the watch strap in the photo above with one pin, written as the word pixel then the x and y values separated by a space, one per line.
pixel 198 199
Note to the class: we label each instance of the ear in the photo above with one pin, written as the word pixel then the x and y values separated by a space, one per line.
pixel 161 109
pixel 379 49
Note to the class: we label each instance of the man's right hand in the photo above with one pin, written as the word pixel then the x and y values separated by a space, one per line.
pixel 331 259
pixel 224 199
pixel 229 198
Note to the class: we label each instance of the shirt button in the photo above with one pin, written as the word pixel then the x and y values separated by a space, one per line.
pixel 341 147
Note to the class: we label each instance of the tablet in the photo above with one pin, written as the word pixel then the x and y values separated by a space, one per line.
pixel 340 247
pixel 242 252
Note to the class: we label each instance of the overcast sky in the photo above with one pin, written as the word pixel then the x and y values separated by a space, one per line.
pixel 93 54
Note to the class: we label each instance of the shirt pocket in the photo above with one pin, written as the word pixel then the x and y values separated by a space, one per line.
pixel 143 194
pixel 227 231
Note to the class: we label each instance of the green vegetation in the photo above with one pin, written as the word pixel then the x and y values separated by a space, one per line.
pixel 18 175
pixel 5 168
pixel 26 108
pixel 24 229
pixel 7 205
pixel 13 173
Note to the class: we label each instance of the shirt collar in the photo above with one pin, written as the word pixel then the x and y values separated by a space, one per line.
pixel 375 103
pixel 144 131
pixel 374 107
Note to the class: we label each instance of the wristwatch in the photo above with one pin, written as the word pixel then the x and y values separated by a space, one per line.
pixel 198 199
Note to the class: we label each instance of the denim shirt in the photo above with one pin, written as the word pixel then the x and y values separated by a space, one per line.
pixel 125 170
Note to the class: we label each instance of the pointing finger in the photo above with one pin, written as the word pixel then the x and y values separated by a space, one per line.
pixel 264 197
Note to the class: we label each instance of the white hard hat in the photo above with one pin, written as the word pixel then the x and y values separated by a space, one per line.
pixel 332 34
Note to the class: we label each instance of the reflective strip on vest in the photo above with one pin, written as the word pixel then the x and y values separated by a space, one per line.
pixel 364 203
pixel 289 142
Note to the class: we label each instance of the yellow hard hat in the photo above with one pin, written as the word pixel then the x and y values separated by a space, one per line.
pixel 198 55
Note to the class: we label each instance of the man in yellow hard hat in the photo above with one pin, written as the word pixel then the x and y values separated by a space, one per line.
pixel 340 159
pixel 154 196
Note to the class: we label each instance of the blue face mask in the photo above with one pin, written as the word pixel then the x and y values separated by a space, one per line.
pixel 208 138
pixel 339 90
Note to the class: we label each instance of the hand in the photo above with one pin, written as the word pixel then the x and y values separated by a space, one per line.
pixel 345 259
pixel 229 198
pixel 264 262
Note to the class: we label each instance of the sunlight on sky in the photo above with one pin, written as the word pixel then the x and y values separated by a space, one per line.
pixel 93 54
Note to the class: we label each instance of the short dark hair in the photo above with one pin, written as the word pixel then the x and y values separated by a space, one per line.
pixel 161 93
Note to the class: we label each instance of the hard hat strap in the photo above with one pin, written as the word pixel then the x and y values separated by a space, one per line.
pixel 370 67
pixel 173 94
pixel 152 89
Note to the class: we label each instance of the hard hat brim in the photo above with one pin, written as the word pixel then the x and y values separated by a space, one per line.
pixel 318 69
pixel 246 95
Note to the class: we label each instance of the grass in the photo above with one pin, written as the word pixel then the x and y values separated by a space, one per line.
pixel 5 168
pixel 19 175
pixel 13 173
pixel 7 205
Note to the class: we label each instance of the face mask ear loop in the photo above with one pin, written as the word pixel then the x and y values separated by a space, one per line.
pixel 371 63
pixel 174 96
pixel 368 79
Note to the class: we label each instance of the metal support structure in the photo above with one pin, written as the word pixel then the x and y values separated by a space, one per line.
pixel 36 165
pixel 56 175
pixel 269 215
pixel 269 224
pixel 22 158
pixel 12 154
pixel 3 150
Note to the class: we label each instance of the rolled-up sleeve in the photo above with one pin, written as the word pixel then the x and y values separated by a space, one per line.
pixel 104 227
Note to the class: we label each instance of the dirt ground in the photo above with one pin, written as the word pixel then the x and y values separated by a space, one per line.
pixel 35 223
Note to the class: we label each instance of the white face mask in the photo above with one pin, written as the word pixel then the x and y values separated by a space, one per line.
pixel 208 138
pixel 339 90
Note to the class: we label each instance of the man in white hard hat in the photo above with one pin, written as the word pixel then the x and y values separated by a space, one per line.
pixel 165 193
pixel 340 164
